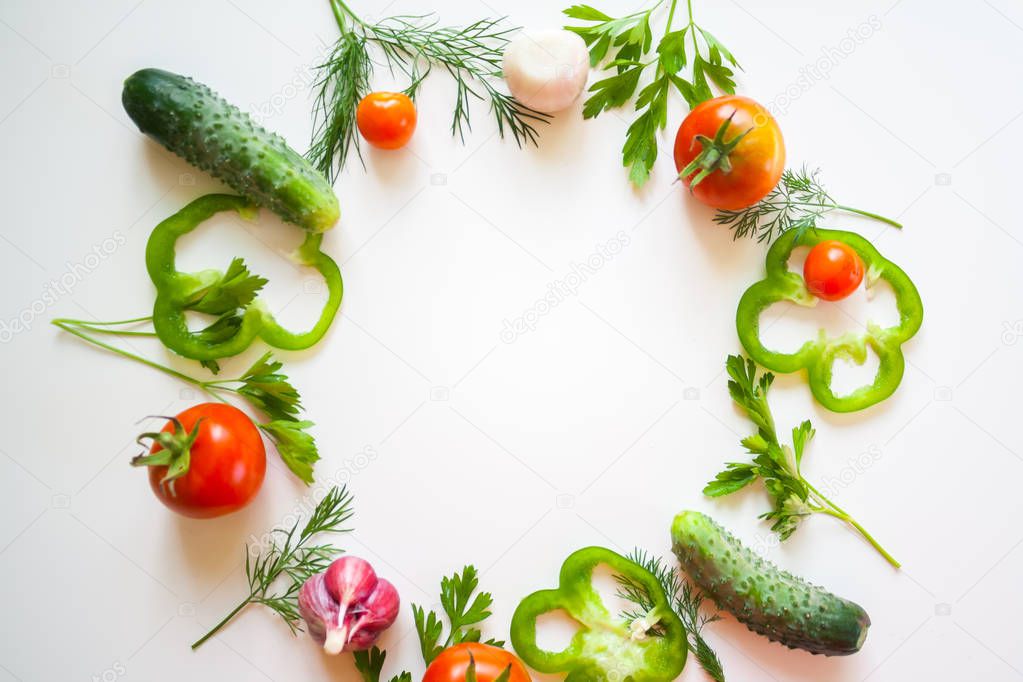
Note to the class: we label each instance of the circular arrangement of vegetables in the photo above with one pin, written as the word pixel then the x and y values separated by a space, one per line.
pixel 729 154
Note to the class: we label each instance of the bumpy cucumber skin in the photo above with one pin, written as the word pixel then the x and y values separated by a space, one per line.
pixel 194 122
pixel 767 600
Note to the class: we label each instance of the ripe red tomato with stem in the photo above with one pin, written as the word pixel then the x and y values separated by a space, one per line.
pixel 206 462
pixel 386 119
pixel 490 661
pixel 729 152
pixel 832 270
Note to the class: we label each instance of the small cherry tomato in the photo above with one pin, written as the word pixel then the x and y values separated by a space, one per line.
pixel 215 457
pixel 452 663
pixel 832 270
pixel 729 151
pixel 386 119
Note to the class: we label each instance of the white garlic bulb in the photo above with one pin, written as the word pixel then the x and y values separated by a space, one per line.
pixel 546 69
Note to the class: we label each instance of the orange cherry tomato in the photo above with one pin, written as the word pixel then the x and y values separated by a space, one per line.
pixel 491 661
pixel 754 165
pixel 832 270
pixel 226 467
pixel 386 119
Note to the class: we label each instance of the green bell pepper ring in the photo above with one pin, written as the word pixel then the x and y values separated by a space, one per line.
pixel 818 356
pixel 605 647
pixel 176 291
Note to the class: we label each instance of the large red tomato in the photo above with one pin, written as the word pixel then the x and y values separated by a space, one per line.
pixel 729 151
pixel 491 661
pixel 224 456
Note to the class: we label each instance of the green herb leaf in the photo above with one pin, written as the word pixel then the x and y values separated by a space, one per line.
pixel 735 477
pixel 612 92
pixel 295 446
pixel 234 289
pixel 430 629
pixel 585 13
pixel 270 391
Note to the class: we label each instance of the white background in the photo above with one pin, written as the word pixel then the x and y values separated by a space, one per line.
pixel 596 427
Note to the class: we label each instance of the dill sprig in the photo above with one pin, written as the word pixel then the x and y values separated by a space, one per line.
pixel 686 601
pixel 796 203
pixel 291 557
pixel 343 81
pixel 412 45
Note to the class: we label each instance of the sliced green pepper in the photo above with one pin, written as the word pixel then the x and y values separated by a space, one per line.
pixel 605 647
pixel 818 356
pixel 238 326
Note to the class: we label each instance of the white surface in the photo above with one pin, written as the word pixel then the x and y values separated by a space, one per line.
pixel 594 428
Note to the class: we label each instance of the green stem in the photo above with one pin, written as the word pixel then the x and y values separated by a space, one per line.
pixel 116 323
pixel 70 327
pixel 76 328
pixel 832 509
pixel 868 214
pixel 216 628
pixel 671 15
pixel 340 10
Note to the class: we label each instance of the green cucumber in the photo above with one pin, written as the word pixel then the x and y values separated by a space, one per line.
pixel 198 125
pixel 766 599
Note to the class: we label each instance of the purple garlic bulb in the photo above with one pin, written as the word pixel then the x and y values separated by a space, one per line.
pixel 347 606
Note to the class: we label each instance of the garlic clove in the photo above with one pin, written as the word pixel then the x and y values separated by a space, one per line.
pixel 546 69
pixel 374 615
pixel 349 580
pixel 319 610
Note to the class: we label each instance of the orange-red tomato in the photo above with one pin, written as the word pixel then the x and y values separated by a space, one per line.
pixel 491 661
pixel 386 119
pixel 226 467
pixel 757 161
pixel 832 270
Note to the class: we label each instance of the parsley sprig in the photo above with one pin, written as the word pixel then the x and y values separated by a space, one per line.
pixel 292 557
pixel 686 600
pixel 262 385
pixel 777 465
pixel 796 203
pixel 370 665
pixel 624 44
pixel 465 609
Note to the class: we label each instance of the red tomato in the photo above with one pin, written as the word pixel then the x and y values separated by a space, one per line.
pixel 832 270
pixel 226 465
pixel 386 119
pixel 756 162
pixel 491 661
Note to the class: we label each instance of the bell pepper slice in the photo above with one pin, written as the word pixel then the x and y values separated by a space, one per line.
pixel 175 290
pixel 605 647
pixel 818 356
